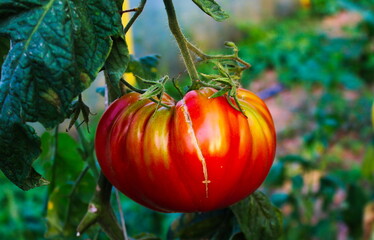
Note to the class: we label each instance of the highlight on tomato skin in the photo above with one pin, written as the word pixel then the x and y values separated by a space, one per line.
pixel 199 155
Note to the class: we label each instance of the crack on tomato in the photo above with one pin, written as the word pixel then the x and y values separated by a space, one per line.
pixel 200 155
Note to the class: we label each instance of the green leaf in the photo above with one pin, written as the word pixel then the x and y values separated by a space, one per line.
pixel 58 47
pixel 57 50
pixel 368 163
pixel 220 93
pixel 4 49
pixel 116 65
pixel 146 236
pixel 208 225
pixel 68 201
pixel 352 214
pixel 258 218
pixel 297 182
pixel 212 8
pixel 20 146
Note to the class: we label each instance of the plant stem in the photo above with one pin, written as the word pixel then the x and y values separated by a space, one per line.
pixel 139 10
pixel 87 150
pixel 99 209
pixel 129 10
pixel 71 195
pixel 182 43
pixel 101 212
pixel 131 87
pixel 54 167
pixel 123 223
pixel 205 57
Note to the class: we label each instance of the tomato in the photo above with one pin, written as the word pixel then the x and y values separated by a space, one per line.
pixel 200 154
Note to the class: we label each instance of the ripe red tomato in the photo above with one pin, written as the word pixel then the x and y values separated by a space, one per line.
pixel 198 155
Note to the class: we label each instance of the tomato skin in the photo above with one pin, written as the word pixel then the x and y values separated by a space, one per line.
pixel 198 155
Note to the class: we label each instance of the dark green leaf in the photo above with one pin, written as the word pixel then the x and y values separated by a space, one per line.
pixel 212 225
pixel 146 236
pixel 20 146
pixel 238 236
pixel 356 200
pixel 58 47
pixel 57 50
pixel 119 4
pixel 4 49
pixel 258 218
pixel 297 182
pixel 116 65
pixel 212 8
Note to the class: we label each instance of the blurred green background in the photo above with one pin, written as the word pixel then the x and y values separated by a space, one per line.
pixel 321 53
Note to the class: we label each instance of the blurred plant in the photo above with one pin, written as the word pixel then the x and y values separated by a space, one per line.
pixel 324 187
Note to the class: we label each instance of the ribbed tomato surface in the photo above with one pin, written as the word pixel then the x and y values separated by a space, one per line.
pixel 198 155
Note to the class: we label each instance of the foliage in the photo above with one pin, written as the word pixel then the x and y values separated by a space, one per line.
pixel 49 56
pixel 320 189
pixel 299 55
pixel 211 8
pixel 49 64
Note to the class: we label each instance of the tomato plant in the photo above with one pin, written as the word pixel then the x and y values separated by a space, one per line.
pixel 199 154
pixel 207 151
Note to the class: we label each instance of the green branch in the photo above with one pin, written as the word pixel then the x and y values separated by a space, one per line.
pixel 55 151
pixel 88 151
pixel 100 211
pixel 182 43
pixel 138 11
pixel 206 57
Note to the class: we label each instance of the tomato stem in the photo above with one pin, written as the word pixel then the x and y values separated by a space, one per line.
pixel 182 43
pixel 141 91
pixel 206 57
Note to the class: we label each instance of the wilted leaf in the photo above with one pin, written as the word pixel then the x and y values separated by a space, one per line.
pixel 258 218
pixel 212 8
